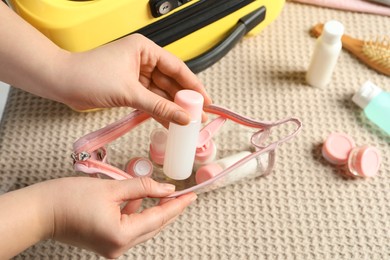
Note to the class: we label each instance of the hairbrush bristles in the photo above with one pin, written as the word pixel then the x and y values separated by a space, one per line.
pixel 378 50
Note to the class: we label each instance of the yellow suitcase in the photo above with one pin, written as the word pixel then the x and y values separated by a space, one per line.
pixel 199 32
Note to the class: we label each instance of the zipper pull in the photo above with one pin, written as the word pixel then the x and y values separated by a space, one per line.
pixel 83 156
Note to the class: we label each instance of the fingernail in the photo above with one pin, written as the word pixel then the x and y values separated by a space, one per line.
pixel 193 198
pixel 168 187
pixel 180 117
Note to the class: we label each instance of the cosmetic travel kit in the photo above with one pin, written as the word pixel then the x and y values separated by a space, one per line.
pixel 186 156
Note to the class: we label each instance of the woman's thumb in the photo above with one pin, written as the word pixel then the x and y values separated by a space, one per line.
pixel 163 109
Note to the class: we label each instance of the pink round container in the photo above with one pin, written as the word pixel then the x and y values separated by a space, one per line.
pixel 139 167
pixel 364 161
pixel 207 152
pixel 158 140
pixel 337 147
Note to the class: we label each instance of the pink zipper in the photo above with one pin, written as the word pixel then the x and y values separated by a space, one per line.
pixel 92 166
pixel 103 136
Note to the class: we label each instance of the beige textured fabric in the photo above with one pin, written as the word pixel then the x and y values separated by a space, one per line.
pixel 304 210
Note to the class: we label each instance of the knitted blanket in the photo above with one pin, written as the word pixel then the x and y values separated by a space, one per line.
pixel 305 209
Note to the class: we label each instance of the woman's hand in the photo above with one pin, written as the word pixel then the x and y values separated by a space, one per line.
pixel 95 214
pixel 132 71
pixel 101 215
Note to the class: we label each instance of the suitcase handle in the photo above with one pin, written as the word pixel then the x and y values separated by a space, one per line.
pixel 244 25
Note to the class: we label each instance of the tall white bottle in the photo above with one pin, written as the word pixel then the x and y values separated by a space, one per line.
pixel 325 55
pixel 182 140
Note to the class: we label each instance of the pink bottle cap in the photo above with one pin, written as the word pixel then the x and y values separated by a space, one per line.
pixel 206 153
pixel 364 161
pixel 206 149
pixel 191 101
pixel 337 147
pixel 139 167
pixel 207 172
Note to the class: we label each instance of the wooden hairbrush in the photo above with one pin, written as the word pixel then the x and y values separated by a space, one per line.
pixel 375 53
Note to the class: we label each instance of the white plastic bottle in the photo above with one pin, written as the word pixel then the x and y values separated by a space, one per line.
pixel 325 55
pixel 182 140
pixel 209 171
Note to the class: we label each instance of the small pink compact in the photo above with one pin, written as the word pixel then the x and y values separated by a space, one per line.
pixel 337 147
pixel 362 161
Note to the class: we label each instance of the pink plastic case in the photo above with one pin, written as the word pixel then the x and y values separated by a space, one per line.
pixel 90 151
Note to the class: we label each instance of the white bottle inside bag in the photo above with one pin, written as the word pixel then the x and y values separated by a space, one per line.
pixel 325 55
pixel 182 140
pixel 209 171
